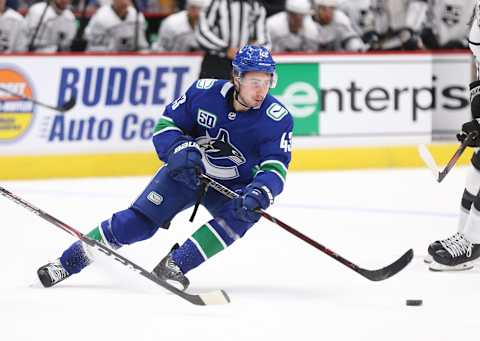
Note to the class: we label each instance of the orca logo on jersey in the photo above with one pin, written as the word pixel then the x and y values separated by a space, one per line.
pixel 220 148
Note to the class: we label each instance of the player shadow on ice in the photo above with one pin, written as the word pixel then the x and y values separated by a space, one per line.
pixel 286 292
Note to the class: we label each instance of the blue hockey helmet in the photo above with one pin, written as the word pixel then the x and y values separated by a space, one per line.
pixel 254 58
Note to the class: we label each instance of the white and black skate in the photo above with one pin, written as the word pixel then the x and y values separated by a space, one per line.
pixel 456 255
pixel 438 245
pixel 170 272
pixel 52 273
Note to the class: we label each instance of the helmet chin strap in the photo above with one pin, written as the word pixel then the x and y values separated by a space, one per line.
pixel 237 98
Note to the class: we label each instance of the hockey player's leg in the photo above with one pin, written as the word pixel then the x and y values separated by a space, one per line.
pixel 161 200
pixel 466 203
pixel 72 261
pixel 460 251
pixel 125 227
pixel 472 185
pixel 204 243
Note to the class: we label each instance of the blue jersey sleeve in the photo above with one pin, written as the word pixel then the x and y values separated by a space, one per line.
pixel 177 121
pixel 276 155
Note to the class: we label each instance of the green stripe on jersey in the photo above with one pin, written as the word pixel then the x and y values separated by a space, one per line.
pixel 164 123
pixel 276 167
pixel 208 240
pixel 95 234
pixel 255 170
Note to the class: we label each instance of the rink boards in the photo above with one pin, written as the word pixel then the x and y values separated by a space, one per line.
pixel 350 110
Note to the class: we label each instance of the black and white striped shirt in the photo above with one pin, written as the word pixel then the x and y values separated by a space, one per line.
pixel 232 23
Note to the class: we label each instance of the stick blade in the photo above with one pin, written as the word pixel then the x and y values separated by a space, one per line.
pixel 390 270
pixel 427 158
pixel 216 297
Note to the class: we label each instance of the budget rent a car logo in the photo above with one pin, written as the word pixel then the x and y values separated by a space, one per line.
pixel 16 113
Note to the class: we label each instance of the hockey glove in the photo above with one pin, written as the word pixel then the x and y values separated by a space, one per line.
pixel 254 196
pixel 470 127
pixel 184 162
pixel 372 40
pixel 409 40
pixel 474 125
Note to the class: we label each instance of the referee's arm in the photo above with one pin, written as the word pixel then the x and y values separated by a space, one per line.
pixel 260 33
pixel 204 33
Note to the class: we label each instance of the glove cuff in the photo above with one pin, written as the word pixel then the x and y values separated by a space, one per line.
pixel 475 98
pixel 182 143
pixel 269 194
pixel 267 197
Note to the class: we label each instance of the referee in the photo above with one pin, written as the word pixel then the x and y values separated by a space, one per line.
pixel 225 26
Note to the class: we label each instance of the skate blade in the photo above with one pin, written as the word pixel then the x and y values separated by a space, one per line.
pixel 437 267
pixel 428 259
pixel 175 284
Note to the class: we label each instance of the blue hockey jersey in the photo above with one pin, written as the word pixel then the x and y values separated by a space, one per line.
pixel 237 147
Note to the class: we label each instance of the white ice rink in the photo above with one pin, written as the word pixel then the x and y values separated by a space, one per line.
pixel 281 288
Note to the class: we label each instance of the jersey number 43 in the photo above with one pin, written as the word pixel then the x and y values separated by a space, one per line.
pixel 286 142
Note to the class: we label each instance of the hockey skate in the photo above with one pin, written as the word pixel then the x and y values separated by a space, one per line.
pixel 170 272
pixel 52 273
pixel 455 255
pixel 437 245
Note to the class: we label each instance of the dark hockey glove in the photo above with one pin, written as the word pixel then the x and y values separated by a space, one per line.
pixel 372 40
pixel 410 41
pixel 254 196
pixel 472 126
pixel 184 162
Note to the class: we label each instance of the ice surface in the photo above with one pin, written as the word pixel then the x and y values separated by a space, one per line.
pixel 281 288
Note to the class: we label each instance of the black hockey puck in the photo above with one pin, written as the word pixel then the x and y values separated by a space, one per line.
pixel 414 302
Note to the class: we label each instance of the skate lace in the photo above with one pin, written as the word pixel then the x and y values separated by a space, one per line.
pixel 173 267
pixel 450 240
pixel 57 272
pixel 175 274
pixel 457 245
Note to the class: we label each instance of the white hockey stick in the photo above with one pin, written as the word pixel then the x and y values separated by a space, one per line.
pixel 432 165
pixel 428 160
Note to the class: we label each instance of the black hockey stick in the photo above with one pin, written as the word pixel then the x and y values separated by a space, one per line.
pixel 31 45
pixel 429 161
pixel 210 298
pixel 63 108
pixel 373 275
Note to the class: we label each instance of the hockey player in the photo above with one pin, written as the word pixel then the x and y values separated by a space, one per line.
pixel 400 22
pixel 287 29
pixel 447 22
pixel 334 29
pixel 13 30
pixel 233 131
pixel 177 31
pixel 51 26
pixel 362 17
pixel 112 28
pixel 459 251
